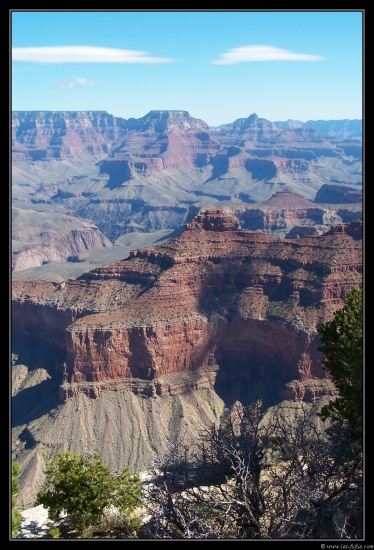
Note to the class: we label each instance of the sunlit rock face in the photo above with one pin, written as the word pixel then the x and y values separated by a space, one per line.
pixel 81 180
pixel 245 302
pixel 156 347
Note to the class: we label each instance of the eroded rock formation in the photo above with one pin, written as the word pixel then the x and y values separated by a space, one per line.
pixel 181 330
pixel 58 244
pixel 214 294
pixel 338 194
pixel 145 174
pixel 289 214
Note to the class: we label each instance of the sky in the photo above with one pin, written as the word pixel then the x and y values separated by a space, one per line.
pixel 217 65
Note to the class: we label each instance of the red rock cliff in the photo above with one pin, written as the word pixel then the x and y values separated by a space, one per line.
pixel 217 296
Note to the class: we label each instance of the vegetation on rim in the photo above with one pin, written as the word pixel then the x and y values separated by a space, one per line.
pixel 293 474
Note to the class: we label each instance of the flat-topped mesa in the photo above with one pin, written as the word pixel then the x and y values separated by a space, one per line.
pixel 213 220
pixel 64 119
pixel 167 121
pixel 41 135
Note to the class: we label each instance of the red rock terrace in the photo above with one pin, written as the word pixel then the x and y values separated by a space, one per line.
pixel 216 304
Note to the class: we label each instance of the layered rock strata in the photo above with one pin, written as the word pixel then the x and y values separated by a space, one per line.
pixel 57 245
pixel 143 175
pixel 289 214
pixel 216 296
pixel 150 350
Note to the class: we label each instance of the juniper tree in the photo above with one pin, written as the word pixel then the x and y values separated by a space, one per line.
pixel 342 346
pixel 83 489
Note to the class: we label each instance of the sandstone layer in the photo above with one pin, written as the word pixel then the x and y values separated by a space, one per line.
pixel 157 345
pixel 183 304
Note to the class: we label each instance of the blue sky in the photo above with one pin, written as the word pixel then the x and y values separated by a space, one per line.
pixel 217 65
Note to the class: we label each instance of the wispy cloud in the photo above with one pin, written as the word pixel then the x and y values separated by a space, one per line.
pixel 76 83
pixel 262 53
pixel 84 54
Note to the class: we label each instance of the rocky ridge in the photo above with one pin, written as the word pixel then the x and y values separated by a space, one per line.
pixel 287 214
pixel 188 294
pixel 152 348
pixel 145 175
pixel 342 129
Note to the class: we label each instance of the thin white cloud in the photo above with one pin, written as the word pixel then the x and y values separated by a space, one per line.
pixel 262 53
pixel 76 83
pixel 84 54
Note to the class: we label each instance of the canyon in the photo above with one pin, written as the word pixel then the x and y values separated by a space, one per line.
pixel 163 270
pixel 87 187
pixel 155 347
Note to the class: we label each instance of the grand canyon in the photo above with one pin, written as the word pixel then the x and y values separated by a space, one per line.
pixel 87 187
pixel 163 270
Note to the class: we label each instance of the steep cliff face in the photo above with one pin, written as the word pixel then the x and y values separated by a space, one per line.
pixel 338 194
pixel 143 175
pixel 177 307
pixel 46 134
pixel 217 313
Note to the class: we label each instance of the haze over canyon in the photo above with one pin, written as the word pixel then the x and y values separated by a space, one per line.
pixel 163 270
pixel 84 181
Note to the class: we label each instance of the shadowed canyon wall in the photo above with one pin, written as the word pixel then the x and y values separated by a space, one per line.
pixel 181 330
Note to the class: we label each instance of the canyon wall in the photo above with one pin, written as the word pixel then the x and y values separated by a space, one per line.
pixel 144 175
pixel 158 345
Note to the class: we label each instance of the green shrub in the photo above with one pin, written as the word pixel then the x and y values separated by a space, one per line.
pixel 84 489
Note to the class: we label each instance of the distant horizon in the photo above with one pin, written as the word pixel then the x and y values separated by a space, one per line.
pixel 178 110
pixel 219 64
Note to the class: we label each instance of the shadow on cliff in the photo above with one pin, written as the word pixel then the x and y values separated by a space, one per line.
pixel 31 403
pixel 247 370
pixel 220 166
pixel 246 385
pixel 35 355
pixel 38 388
pixel 256 359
